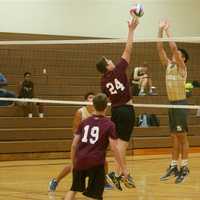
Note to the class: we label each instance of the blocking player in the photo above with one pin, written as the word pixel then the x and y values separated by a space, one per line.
pixel 176 75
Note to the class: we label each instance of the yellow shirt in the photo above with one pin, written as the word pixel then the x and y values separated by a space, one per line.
pixel 84 113
pixel 175 83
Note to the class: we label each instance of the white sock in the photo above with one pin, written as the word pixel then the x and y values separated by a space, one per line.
pixel 198 113
pixel 184 163
pixel 116 174
pixel 41 115
pixel 142 90
pixel 173 163
pixel 30 115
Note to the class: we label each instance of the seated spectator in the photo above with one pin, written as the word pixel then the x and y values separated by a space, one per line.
pixel 196 84
pixel 26 90
pixel 5 93
pixel 189 87
pixel 142 78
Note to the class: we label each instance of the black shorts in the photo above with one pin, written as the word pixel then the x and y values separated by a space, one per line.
pixel 178 117
pixel 124 119
pixel 95 184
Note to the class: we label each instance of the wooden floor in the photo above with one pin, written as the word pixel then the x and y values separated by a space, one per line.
pixel 28 180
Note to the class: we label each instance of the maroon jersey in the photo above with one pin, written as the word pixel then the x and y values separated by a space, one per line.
pixel 115 84
pixel 91 150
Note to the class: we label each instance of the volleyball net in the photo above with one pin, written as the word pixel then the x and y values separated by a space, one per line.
pixel 64 70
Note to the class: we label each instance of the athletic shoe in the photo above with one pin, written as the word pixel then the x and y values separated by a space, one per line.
pixel 128 182
pixel 108 186
pixel 53 185
pixel 142 94
pixel 114 180
pixel 184 172
pixel 171 171
pixel 30 115
pixel 153 94
pixel 41 115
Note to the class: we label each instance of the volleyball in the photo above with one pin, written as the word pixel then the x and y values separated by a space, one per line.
pixel 137 10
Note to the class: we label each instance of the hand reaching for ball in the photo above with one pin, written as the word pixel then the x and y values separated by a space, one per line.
pixel 133 23
pixel 164 24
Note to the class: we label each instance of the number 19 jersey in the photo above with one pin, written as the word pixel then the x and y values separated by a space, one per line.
pixel 115 84
pixel 94 132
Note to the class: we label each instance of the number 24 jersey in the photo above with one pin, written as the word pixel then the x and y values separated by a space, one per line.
pixel 115 84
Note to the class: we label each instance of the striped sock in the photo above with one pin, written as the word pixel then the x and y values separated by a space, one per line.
pixel 173 163
pixel 184 163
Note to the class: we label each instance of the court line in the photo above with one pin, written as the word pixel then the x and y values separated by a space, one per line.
pixel 136 159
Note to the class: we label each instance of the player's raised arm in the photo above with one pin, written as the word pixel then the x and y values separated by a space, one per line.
pixel 131 28
pixel 174 48
pixel 161 51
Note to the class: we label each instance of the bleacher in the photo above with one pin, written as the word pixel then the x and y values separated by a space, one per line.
pixel 70 74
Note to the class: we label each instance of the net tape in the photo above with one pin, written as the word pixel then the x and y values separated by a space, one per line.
pixel 79 103
pixel 100 41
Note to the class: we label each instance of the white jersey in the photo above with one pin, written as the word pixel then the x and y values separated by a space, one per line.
pixel 84 113
pixel 175 83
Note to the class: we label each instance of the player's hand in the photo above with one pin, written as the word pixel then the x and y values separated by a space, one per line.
pixel 167 25
pixel 133 23
pixel 164 24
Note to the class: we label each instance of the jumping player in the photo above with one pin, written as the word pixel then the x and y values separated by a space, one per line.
pixel 176 74
pixel 115 84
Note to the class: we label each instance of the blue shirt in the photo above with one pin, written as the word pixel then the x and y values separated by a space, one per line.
pixel 3 80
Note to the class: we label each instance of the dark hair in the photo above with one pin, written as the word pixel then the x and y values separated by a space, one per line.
pixel 196 83
pixel 101 65
pixel 27 73
pixel 88 94
pixel 184 53
pixel 100 102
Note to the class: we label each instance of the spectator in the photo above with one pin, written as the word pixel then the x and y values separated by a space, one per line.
pixel 26 90
pixel 189 87
pixel 5 93
pixel 196 84
pixel 142 78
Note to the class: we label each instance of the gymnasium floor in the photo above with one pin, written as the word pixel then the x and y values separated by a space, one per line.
pixel 28 180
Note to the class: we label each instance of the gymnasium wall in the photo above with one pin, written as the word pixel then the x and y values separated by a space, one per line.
pixel 70 74
pixel 97 18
